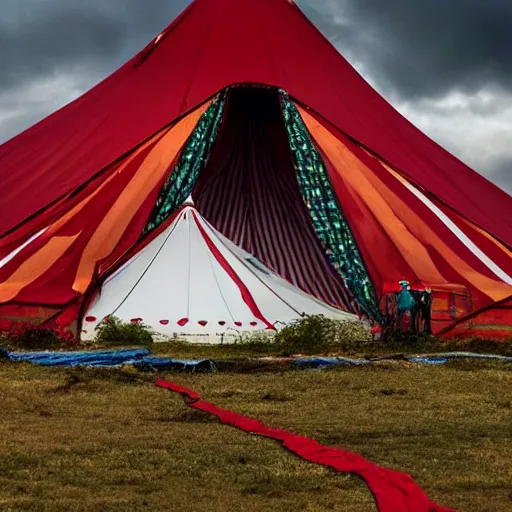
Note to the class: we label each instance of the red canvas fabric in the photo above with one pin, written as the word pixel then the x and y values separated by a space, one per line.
pixel 494 322
pixel 214 44
pixel 248 190
pixel 393 491
pixel 487 243
pixel 386 218
pixel 55 286
pixel 35 224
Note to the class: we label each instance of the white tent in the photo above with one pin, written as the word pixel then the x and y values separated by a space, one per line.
pixel 193 282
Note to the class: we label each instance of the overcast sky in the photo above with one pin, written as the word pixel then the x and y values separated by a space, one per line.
pixel 445 64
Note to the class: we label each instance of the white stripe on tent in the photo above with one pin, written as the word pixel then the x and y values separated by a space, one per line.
pixel 488 262
pixel 11 255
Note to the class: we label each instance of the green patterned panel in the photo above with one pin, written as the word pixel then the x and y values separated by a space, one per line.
pixel 193 158
pixel 325 212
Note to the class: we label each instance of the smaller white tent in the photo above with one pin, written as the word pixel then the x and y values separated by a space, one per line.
pixel 193 282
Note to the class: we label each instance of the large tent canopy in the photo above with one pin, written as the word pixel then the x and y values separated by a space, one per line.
pixel 286 151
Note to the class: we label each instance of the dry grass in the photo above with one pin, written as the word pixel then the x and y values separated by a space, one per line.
pixel 91 440
pixel 255 347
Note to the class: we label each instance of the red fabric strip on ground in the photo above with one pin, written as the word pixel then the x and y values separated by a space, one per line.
pixel 393 491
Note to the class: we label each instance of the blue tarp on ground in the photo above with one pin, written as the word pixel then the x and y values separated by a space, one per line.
pixel 427 360
pixel 140 358
pixel 144 361
pixel 91 358
pixel 327 362
pixel 471 355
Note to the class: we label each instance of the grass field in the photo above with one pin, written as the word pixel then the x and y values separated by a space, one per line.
pixel 108 440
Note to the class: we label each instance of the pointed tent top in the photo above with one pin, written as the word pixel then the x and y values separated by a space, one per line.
pixel 212 45
pixel 189 202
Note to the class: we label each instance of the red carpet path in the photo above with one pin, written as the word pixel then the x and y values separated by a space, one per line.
pixel 393 491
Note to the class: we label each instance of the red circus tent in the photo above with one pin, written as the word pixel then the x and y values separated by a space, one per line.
pixel 286 151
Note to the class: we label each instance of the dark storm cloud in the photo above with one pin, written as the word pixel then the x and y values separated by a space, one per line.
pixel 414 48
pixel 448 61
pixel 425 48
pixel 502 174
pixel 38 38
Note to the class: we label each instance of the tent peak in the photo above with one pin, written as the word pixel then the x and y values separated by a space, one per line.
pixel 189 202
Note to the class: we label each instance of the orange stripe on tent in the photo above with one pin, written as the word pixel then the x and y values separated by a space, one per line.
pixel 13 285
pixel 358 180
pixel 384 261
pixel 80 206
pixel 450 213
pixel 150 173
pixel 470 225
pixel 60 222
pixel 337 152
pixel 496 290
pixel 35 266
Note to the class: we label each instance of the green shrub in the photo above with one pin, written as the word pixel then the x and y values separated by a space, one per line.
pixel 315 334
pixel 259 342
pixel 112 331
pixel 307 335
pixel 27 336
pixel 37 339
pixel 396 338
